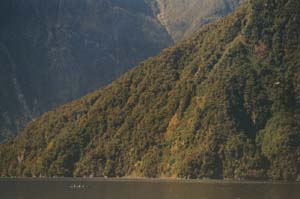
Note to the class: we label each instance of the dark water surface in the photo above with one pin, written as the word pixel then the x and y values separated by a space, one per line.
pixel 143 189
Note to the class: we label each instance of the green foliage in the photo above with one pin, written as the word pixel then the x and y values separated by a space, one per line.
pixel 281 145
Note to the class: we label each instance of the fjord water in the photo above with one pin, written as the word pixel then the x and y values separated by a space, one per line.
pixel 143 189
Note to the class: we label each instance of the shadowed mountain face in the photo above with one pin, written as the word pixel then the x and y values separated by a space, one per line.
pixel 54 51
pixel 223 104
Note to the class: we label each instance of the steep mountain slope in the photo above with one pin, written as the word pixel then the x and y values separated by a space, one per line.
pixel 224 104
pixel 60 50
pixel 182 18
pixel 13 108
pixel 56 51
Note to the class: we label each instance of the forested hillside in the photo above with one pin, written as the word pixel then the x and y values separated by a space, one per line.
pixel 223 104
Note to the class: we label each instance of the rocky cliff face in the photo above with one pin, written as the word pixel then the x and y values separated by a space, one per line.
pixel 14 109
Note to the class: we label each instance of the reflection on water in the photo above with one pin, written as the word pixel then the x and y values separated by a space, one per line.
pixel 146 189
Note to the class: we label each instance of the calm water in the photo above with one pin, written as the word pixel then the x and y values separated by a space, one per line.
pixel 113 189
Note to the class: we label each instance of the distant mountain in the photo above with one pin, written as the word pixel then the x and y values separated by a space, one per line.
pixel 55 51
pixel 223 104
pixel 182 18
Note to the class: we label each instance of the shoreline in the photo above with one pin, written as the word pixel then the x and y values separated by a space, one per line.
pixel 143 180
